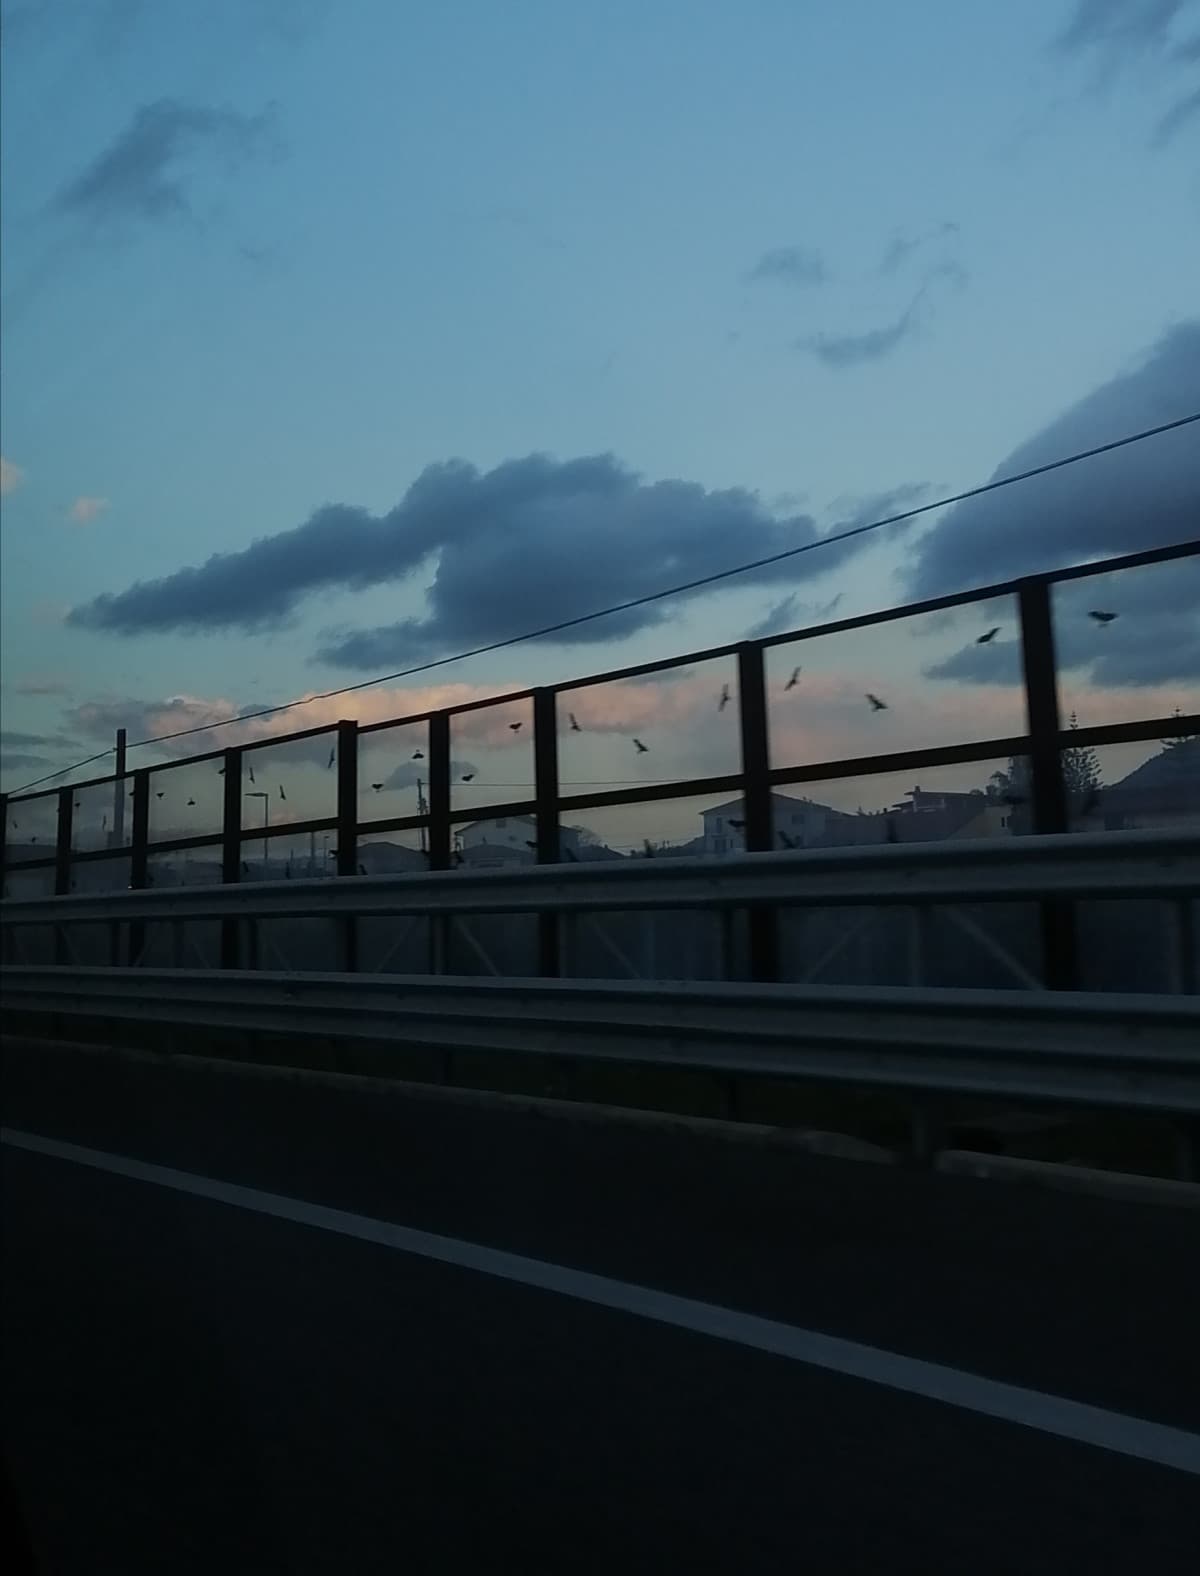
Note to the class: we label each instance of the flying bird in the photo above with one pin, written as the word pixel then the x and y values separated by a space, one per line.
pixel 468 777
pixel 191 803
pixel 158 795
pixel 529 843
pixel 738 824
pixel 642 749
pixel 876 703
pixel 220 771
pixel 378 787
pixel 251 774
pixel 1100 616
pixel 282 795
pixel 514 727
pixel 990 635
pixel 724 700
pixel 575 728
pixel 794 680
pixel 332 758
pixel 418 755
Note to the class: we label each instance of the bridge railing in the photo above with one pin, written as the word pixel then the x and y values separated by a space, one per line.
pixel 198 819
pixel 694 905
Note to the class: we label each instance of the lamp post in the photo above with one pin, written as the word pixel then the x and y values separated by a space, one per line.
pixel 265 796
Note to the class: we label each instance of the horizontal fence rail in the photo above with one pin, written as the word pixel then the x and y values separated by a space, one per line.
pixel 1158 865
pixel 1128 1053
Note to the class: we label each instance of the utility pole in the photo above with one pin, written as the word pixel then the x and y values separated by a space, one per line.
pixel 117 836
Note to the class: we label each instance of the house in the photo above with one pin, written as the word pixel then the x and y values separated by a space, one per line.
pixel 508 840
pixel 1162 793
pixel 798 823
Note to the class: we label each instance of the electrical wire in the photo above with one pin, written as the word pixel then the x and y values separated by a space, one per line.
pixel 648 598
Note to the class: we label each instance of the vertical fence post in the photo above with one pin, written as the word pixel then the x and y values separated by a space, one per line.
pixel 439 791
pixel 762 920
pixel 549 851
pixel 62 864
pixel 231 850
pixel 3 840
pixel 1048 798
pixel 139 861
pixel 347 832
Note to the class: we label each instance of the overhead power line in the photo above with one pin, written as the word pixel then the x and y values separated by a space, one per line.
pixel 644 601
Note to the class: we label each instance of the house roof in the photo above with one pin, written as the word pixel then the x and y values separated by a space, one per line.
pixel 777 798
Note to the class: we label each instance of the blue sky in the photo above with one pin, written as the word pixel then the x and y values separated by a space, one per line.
pixel 263 257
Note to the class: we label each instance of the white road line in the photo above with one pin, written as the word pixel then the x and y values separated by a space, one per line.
pixel 1049 1414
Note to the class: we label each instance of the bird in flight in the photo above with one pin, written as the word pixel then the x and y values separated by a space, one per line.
pixel 251 774
pixel 468 777
pixel 738 824
pixel 529 843
pixel 220 771
pixel 724 700
pixel 158 795
pixel 1100 616
pixel 282 795
pixel 377 787
pixel 514 727
pixel 418 755
pixel 332 758
pixel 575 728
pixel 794 680
pixel 876 703
pixel 985 639
pixel 642 749
pixel 191 804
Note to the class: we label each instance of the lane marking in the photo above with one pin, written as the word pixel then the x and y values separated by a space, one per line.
pixel 1048 1414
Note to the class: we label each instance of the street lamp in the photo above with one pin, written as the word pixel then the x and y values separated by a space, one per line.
pixel 265 796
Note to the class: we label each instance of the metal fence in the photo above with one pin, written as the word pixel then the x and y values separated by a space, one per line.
pixel 46 835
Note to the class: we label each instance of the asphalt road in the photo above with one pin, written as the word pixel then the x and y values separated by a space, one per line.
pixel 191 1386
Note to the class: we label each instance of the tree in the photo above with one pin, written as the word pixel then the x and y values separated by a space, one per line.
pixel 1081 782
pixel 1081 775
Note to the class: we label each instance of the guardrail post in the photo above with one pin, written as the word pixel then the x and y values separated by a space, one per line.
pixel 231 850
pixel 347 830
pixel 549 851
pixel 762 920
pixel 1047 790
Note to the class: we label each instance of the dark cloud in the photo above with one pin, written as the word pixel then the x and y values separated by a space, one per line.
pixel 21 760
pixel 410 773
pixel 790 265
pixel 792 613
pixel 146 171
pixel 1115 35
pixel 902 246
pixel 1144 496
pixel 12 740
pixel 1176 117
pixel 531 542
pixel 854 350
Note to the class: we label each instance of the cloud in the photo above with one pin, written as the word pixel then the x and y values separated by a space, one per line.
pixel 903 246
pixel 854 350
pixel 40 684
pixel 531 542
pixel 10 739
pixel 1139 497
pixel 11 476
pixel 792 613
pixel 1116 35
pixel 409 773
pixel 789 265
pixel 85 509
pixel 21 760
pixel 1144 496
pixel 146 171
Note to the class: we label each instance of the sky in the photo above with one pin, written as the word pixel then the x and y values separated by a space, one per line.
pixel 339 339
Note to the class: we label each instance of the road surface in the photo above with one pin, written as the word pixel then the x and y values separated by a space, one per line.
pixel 601 1346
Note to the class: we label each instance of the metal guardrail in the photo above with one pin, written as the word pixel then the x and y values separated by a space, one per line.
pixel 1132 1053
pixel 1162 865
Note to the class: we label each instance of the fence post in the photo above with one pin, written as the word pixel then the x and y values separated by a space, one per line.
pixel 761 919
pixel 3 841
pixel 62 864
pixel 231 850
pixel 347 831
pixel 439 791
pixel 1048 798
pixel 549 851
pixel 139 861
